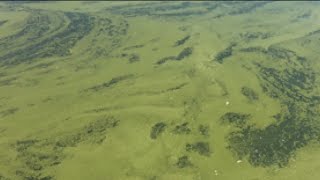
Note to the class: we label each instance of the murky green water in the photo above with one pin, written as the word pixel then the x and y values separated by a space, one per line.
pixel 159 90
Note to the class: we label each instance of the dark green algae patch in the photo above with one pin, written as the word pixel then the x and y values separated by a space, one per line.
pixel 186 52
pixel 249 93
pixel 296 125
pixel 58 44
pixel 237 119
pixel 36 156
pixel 184 162
pixel 201 147
pixel 157 129
pixel 274 145
pixel 108 84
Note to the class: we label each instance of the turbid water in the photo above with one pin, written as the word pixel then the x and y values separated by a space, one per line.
pixel 159 90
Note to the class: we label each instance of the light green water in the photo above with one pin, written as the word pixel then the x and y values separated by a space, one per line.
pixel 159 90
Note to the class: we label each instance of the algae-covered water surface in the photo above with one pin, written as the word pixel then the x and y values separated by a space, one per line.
pixel 159 90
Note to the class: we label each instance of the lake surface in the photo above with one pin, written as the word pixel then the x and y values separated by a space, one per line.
pixel 159 90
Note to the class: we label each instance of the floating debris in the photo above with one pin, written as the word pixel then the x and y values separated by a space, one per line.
pixel 216 172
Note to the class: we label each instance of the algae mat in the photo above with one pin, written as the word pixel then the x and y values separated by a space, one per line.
pixel 159 90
